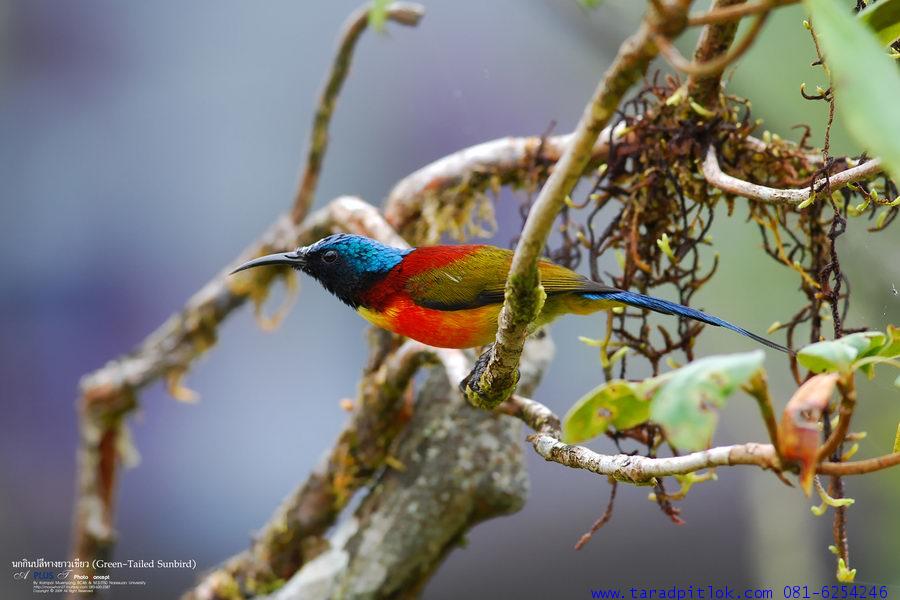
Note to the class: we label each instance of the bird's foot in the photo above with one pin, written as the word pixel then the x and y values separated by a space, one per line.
pixel 473 385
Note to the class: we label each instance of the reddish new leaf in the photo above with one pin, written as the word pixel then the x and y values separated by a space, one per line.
pixel 798 435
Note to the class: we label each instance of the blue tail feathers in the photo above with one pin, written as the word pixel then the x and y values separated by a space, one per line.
pixel 671 308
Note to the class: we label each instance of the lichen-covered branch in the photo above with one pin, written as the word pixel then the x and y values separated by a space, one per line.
pixel 424 203
pixel 452 467
pixel 752 191
pixel 495 378
pixel 642 469
pixel 404 13
pixel 110 393
pixel 294 535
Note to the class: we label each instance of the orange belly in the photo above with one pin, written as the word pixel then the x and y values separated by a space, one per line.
pixel 439 328
pixel 470 327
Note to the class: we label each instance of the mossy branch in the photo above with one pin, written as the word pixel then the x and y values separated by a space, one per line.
pixel 452 181
pixel 494 378
pixel 295 533
pixel 109 394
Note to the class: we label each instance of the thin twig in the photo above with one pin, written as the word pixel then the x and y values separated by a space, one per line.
pixel 736 12
pixel 494 379
pixel 604 518
pixel 860 467
pixel 759 389
pixel 717 64
pixel 847 388
pixel 404 13
pixel 752 191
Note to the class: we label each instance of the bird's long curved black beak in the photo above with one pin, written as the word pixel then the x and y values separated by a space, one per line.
pixel 297 259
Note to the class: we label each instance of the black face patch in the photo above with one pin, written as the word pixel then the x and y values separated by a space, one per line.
pixel 348 265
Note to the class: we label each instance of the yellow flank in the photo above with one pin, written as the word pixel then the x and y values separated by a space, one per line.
pixel 384 320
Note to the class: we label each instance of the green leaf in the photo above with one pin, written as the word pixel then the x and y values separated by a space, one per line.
pixel 844 573
pixel 865 342
pixel 851 351
pixel 617 403
pixel 897 437
pixel 891 348
pixel 683 403
pixel 378 14
pixel 866 80
pixel 883 18
pixel 831 356
pixel 590 4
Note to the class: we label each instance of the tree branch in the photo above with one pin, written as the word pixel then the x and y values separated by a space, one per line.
pixel 760 193
pixel 758 387
pixel 715 40
pixel 110 393
pixel 642 469
pixel 507 160
pixel 405 13
pixel 495 377
pixel 847 388
pixel 734 12
pixel 294 534
pixel 715 66
pixel 454 466
pixel 860 467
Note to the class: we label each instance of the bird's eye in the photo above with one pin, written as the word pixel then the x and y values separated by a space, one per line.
pixel 330 256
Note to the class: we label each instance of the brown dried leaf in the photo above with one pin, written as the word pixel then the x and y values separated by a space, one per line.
pixel 271 322
pixel 175 388
pixel 798 434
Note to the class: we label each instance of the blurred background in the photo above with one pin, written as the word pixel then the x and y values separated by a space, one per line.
pixel 145 144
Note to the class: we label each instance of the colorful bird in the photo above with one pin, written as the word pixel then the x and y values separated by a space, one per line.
pixel 450 296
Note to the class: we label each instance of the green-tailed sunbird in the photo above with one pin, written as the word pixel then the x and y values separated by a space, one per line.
pixel 450 296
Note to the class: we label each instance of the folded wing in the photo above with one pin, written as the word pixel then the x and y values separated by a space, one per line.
pixel 461 277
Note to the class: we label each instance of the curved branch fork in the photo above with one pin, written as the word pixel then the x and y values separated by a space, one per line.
pixel 793 197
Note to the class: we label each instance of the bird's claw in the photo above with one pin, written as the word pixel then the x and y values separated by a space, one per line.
pixel 471 388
